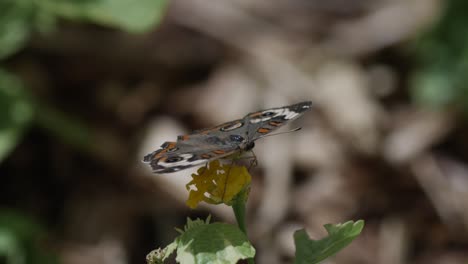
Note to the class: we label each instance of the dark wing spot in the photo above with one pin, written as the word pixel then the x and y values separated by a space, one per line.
pixel 149 157
pixel 173 159
pixel 268 113
pixel 236 138
pixel 183 137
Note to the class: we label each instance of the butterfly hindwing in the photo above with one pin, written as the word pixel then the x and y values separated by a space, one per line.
pixel 188 151
pixel 183 159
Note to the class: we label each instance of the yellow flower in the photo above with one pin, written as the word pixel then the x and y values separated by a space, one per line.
pixel 217 184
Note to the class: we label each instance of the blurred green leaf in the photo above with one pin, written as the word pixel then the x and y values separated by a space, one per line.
pixel 130 15
pixel 440 78
pixel 310 251
pixel 15 112
pixel 433 88
pixel 63 126
pixel 10 248
pixel 19 18
pixel 18 111
pixel 21 240
pixel 16 22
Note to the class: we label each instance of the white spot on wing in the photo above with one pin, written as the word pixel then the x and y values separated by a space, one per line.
pixel 182 163
pixel 231 127
pixel 278 112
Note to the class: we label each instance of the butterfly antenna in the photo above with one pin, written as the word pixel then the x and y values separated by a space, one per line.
pixel 248 129
pixel 279 133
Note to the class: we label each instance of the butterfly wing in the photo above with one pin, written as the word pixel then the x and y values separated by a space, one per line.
pixel 266 121
pixel 223 140
pixel 236 127
pixel 183 154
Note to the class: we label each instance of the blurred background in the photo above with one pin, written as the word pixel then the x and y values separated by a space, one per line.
pixel 88 87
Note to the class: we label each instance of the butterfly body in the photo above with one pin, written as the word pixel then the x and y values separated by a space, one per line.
pixel 223 140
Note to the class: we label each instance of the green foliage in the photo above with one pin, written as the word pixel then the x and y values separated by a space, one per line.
pixel 442 57
pixel 15 112
pixel 129 15
pixel 64 127
pixel 18 111
pixel 18 19
pixel 214 243
pixel 339 236
pixel 21 241
pixel 204 243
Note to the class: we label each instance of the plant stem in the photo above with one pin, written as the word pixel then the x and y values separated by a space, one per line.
pixel 238 207
pixel 239 211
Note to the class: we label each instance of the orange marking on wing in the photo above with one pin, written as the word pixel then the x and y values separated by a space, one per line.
pixel 207 131
pixel 263 130
pixel 163 159
pixel 159 154
pixel 184 137
pixel 256 114
pixel 274 123
pixel 205 156
pixel 219 151
pixel 170 145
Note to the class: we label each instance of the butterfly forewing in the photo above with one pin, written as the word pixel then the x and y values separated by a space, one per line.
pixel 266 121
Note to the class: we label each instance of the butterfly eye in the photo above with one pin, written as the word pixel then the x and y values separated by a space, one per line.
pixel 236 138
pixel 268 114
pixel 173 159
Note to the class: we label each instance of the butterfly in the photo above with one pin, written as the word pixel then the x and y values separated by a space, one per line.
pixel 203 146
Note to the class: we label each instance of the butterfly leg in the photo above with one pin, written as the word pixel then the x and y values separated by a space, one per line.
pixel 205 168
pixel 253 161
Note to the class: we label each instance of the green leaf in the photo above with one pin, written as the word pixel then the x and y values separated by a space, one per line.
pixel 16 112
pixel 64 126
pixel 10 248
pixel 19 18
pixel 310 251
pixel 130 15
pixel 22 240
pixel 433 88
pixel 216 243
pixel 194 223
pixel 16 21
pixel 441 56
